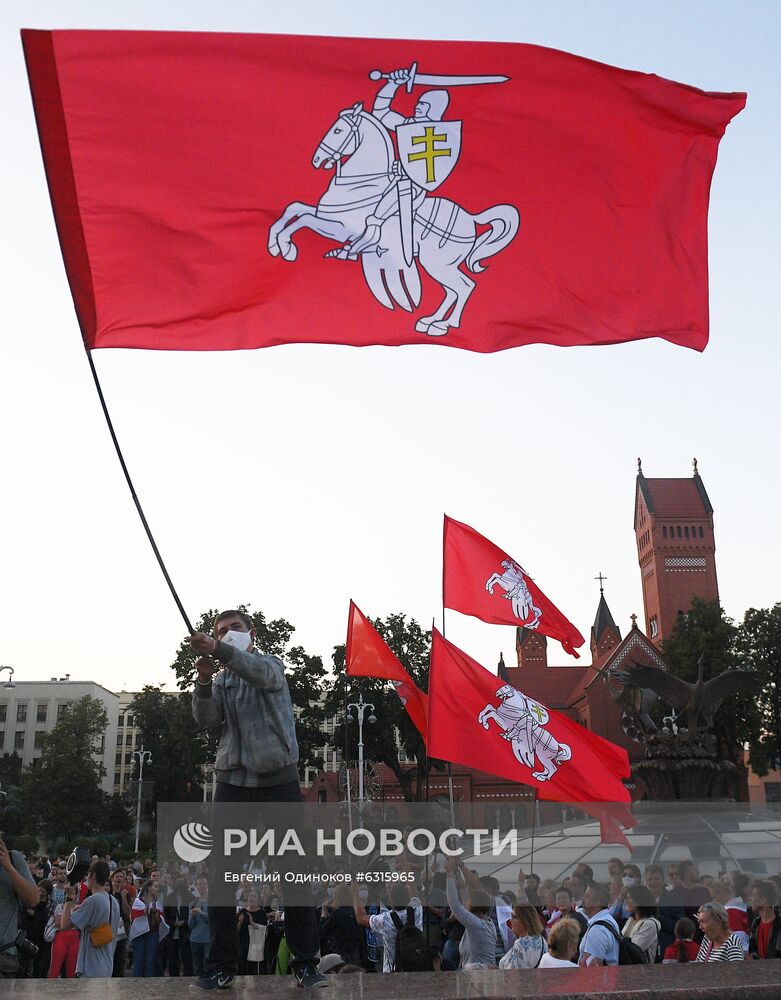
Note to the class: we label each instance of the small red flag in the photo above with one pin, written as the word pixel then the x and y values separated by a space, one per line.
pixel 228 191
pixel 482 580
pixel 476 720
pixel 368 655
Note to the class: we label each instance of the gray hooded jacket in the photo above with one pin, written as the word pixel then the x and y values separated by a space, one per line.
pixel 252 699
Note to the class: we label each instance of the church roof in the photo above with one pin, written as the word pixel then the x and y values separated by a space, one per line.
pixel 675 497
pixel 524 634
pixel 550 685
pixel 603 620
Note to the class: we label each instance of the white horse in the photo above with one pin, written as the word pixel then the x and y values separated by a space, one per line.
pixel 512 581
pixel 444 234
pixel 522 720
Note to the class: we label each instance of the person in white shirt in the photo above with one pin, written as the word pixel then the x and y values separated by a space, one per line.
pixel 563 940
pixel 643 925
pixel 382 923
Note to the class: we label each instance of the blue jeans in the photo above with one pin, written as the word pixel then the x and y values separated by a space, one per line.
pixel 200 953
pixel 145 948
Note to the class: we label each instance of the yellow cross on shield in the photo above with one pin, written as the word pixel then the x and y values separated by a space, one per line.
pixel 428 151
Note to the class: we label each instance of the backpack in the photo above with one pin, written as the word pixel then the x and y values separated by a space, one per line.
pixel 629 953
pixel 412 951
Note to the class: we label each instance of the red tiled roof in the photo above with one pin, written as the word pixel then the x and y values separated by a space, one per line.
pixel 675 498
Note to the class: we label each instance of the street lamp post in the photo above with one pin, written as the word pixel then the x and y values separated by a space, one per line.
pixel 143 757
pixel 10 682
pixel 360 707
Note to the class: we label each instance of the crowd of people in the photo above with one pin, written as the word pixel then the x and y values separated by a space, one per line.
pixel 140 921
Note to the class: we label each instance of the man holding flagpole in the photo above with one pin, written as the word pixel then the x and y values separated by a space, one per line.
pixel 257 761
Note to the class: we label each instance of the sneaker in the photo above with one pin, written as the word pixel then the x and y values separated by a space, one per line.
pixel 214 981
pixel 308 976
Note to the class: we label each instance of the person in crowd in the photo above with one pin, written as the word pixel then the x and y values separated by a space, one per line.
pixel 58 888
pixel 176 908
pixel 529 946
pixel 65 945
pixel 599 945
pixel 689 889
pixel 722 891
pixel 643 925
pixel 339 930
pixel 531 886
pixel 198 924
pixel 564 908
pixel 684 948
pixel 577 886
pixel 563 940
pixel 97 916
pixel 479 944
pixel 237 686
pixel 332 964
pixel 501 912
pixel 147 927
pixel 615 868
pixel 17 889
pixel 586 871
pixel 765 936
pixel 382 923
pixel 630 876
pixel 35 921
pixel 119 890
pixel 670 910
pixel 614 888
pixel 435 909
pixel 718 943
pixel 252 913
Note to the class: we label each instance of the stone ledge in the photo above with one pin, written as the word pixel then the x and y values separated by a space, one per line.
pixel 718 981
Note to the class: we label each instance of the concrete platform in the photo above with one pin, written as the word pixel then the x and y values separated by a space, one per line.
pixel 719 981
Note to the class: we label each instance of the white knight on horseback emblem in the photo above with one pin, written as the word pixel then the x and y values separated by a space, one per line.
pixel 380 205
pixel 523 723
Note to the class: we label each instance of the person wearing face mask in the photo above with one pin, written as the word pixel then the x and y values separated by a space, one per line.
pixel 619 911
pixel 257 761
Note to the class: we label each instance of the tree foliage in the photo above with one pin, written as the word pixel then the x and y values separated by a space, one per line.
pixel 758 647
pixel 305 677
pixel 178 746
pixel 61 794
pixel 708 633
pixel 411 645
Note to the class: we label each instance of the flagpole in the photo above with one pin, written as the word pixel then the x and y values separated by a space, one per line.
pixel 534 824
pixel 136 501
pixel 449 765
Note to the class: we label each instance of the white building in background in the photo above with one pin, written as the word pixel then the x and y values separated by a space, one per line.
pixel 32 708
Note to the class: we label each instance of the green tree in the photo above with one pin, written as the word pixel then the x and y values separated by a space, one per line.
pixel 411 645
pixel 758 647
pixel 61 794
pixel 10 769
pixel 305 677
pixel 708 633
pixel 179 747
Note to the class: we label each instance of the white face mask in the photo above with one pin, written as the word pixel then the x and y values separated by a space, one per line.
pixel 239 640
pixel 628 880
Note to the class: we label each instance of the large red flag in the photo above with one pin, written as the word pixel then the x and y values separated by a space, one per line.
pixel 199 180
pixel 476 720
pixel 482 580
pixel 368 655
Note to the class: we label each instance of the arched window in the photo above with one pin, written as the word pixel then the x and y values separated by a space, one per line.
pixel 686 531
pixel 678 531
pixel 664 531
pixel 700 531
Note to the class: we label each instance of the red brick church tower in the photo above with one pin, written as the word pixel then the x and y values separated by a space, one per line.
pixel 676 548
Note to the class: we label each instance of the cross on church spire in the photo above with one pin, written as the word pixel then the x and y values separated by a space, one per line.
pixel 601 581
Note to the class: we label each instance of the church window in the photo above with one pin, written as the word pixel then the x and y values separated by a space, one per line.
pixel 654 623
pixel 678 531
pixel 700 532
pixel 686 531
pixel 664 531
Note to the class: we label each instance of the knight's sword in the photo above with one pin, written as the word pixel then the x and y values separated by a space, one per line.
pixel 431 79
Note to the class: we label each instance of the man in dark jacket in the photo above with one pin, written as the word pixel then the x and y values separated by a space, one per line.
pixel 257 761
pixel 177 912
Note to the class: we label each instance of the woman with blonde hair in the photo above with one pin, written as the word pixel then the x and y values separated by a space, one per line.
pixel 563 940
pixel 529 947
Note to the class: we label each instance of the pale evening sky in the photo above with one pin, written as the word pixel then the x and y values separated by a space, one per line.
pixel 297 477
